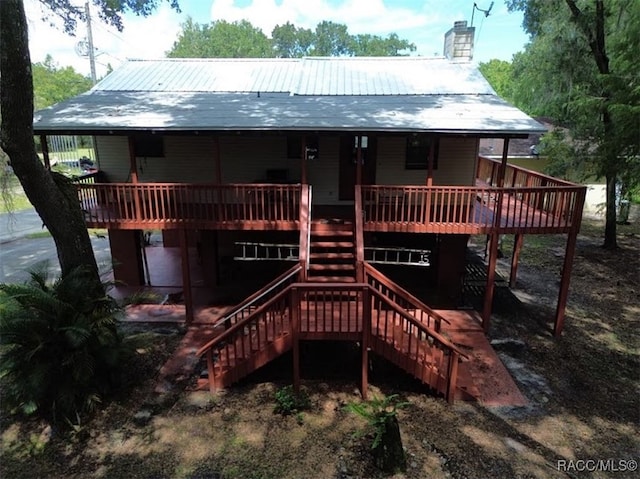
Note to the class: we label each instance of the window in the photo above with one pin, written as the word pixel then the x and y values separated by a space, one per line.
pixel 417 154
pixel 148 146
pixel 294 147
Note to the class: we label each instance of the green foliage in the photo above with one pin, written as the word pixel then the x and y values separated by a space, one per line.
pixel 59 347
pixel 289 402
pixel 378 413
pixel 243 40
pixel 499 74
pixel 71 12
pixel 221 39
pixel 52 84
pixel 581 69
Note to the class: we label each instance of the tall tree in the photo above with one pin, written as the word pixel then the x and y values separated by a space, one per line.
pixel 53 84
pixel 221 39
pixel 580 68
pixel 52 196
pixel 291 42
pixel 499 74
pixel 243 40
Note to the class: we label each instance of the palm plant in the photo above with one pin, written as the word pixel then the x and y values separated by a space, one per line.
pixel 59 345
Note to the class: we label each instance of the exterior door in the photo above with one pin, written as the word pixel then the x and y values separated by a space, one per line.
pixel 348 156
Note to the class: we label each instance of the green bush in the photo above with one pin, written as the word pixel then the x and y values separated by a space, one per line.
pixel 289 402
pixel 381 415
pixel 60 349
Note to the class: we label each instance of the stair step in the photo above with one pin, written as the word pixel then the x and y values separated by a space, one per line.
pixel 332 279
pixel 328 256
pixel 331 267
pixel 331 233
pixel 331 244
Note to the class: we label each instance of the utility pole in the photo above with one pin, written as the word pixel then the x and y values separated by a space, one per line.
pixel 92 57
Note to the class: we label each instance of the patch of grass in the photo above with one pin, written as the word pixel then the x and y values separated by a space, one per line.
pixel 39 234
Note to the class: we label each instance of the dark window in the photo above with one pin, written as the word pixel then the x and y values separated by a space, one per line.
pixel 294 147
pixel 417 156
pixel 149 146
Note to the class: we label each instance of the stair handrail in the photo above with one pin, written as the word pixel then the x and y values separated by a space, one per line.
pixel 421 326
pixel 227 319
pixel 242 323
pixel 455 354
pixel 404 294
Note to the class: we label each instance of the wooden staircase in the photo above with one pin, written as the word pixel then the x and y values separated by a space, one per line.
pixel 332 252
pixel 349 311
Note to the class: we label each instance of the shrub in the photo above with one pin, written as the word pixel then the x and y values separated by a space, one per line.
pixel 289 402
pixel 381 415
pixel 59 345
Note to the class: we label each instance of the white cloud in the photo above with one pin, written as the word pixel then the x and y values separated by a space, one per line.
pixel 142 37
pixel 422 22
pixel 362 16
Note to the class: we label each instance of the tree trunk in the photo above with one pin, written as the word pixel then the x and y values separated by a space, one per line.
pixel 52 196
pixel 610 227
pixel 389 454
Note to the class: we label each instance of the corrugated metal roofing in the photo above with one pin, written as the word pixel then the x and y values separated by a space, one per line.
pixel 111 111
pixel 306 76
pixel 204 75
pixel 375 94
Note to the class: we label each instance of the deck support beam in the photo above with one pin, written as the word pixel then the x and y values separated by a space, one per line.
pixel 133 167
pixel 518 241
pixel 295 336
pixel 359 160
pixel 565 279
pixel 186 276
pixel 303 159
pixel 491 283
pixel 366 334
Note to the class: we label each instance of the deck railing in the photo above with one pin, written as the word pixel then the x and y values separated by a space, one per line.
pixel 489 170
pixel 145 205
pixel 471 210
pixel 423 313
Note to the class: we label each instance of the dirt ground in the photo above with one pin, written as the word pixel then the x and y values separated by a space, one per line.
pixel 582 420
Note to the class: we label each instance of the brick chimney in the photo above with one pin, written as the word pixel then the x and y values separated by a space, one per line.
pixel 458 41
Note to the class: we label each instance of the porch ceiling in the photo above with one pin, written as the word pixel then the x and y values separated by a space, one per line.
pixel 105 112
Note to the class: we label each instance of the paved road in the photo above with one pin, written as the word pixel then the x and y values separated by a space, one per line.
pixel 18 253
pixel 19 224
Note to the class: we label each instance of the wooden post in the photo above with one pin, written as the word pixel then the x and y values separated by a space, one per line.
pixel 211 371
pixel 366 335
pixel 45 151
pixel 431 159
pixel 186 276
pixel 503 164
pixel 359 231
pixel 490 286
pixel 518 240
pixel 133 167
pixel 568 263
pixel 303 159
pixel 452 380
pixel 295 336
pixel 359 160
pixel 305 224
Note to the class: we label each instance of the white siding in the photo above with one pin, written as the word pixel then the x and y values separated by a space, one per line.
pixel 246 159
pixel 456 162
pixel 113 157
pixel 324 173
pixel 187 159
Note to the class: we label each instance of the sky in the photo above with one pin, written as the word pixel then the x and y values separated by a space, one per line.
pixel 422 22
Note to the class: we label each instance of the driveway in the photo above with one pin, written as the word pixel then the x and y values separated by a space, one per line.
pixel 19 253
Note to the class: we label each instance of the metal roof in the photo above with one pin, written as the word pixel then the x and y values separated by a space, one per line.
pixel 375 94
